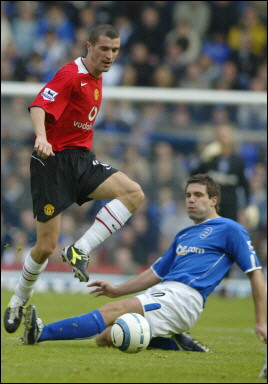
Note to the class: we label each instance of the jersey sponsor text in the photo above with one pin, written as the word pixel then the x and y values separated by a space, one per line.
pixel 83 126
pixel 184 249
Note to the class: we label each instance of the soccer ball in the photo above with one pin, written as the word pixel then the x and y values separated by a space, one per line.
pixel 131 333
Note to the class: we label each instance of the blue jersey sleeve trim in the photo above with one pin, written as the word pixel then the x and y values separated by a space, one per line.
pixel 152 268
pixel 252 269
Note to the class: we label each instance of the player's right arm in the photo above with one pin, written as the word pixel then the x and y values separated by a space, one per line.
pixel 139 283
pixel 41 146
pixel 143 281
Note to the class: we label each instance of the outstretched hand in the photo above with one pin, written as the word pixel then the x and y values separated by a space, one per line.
pixel 105 288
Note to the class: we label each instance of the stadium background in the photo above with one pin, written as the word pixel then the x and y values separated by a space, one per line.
pixel 182 44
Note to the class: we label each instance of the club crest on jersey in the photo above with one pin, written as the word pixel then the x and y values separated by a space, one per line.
pixel 96 94
pixel 207 231
pixel 49 94
pixel 49 209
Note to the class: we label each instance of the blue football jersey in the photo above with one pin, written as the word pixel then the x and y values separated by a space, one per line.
pixel 201 255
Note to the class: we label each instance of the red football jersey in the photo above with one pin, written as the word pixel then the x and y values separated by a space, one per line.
pixel 71 101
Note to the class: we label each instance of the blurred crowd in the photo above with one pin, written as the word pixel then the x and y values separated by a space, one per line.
pixel 192 44
pixel 186 44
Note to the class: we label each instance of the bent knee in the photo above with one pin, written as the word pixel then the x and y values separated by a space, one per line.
pixel 45 249
pixel 134 194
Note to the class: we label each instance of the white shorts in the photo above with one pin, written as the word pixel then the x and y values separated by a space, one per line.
pixel 171 307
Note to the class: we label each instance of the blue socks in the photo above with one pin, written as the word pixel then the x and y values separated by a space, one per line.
pixel 78 327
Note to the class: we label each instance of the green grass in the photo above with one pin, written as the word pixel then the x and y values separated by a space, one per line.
pixel 226 325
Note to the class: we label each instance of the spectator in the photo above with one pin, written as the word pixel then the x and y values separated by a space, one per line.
pixel 176 46
pixel 209 69
pixel 181 118
pixel 174 59
pixel 163 77
pixel 12 66
pixel 143 245
pixel 220 116
pixel 252 24
pixel 124 259
pixel 216 48
pixel 129 76
pixel 126 29
pixel 187 10
pixel 139 166
pixel 153 117
pixel 229 77
pixel 6 30
pixel 175 221
pixel 56 20
pixel 109 122
pixel 245 61
pixel 258 198
pixel 148 31
pixel 223 17
pixel 253 117
pixel 190 42
pixel 139 58
pixel 165 10
pixel 52 50
pixel 87 18
pixel 225 166
pixel 193 77
pixel 25 28
pixel 165 171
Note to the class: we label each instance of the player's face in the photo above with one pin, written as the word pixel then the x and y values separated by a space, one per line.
pixel 200 206
pixel 102 54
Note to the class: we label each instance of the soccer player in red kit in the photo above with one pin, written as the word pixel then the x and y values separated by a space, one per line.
pixel 64 170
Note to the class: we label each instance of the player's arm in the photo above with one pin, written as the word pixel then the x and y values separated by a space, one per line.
pixel 257 281
pixel 139 283
pixel 144 280
pixel 41 146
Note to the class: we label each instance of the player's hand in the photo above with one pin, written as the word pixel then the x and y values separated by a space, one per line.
pixel 105 288
pixel 261 331
pixel 43 148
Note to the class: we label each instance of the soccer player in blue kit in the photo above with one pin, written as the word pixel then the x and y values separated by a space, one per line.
pixel 176 286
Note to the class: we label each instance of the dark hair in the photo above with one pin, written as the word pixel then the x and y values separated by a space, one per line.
pixel 213 189
pixel 102 29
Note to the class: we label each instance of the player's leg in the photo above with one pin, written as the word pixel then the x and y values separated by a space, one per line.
pixel 78 327
pixel 111 312
pixel 104 339
pixel 126 196
pixel 34 263
pixel 120 186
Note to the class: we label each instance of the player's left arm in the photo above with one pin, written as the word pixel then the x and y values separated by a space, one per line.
pixel 257 281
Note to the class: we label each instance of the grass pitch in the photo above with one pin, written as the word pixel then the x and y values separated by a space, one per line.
pixel 226 325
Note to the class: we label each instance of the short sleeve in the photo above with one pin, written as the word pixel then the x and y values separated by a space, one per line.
pixel 241 250
pixel 55 96
pixel 162 266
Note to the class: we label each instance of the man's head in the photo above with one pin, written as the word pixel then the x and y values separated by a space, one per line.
pixel 202 198
pixel 225 134
pixel 103 47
